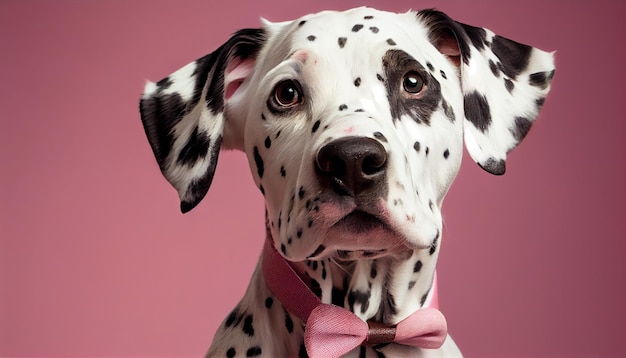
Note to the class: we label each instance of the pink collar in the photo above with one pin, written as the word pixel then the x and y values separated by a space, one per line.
pixel 332 331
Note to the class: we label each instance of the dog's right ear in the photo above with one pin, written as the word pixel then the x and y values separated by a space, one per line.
pixel 183 114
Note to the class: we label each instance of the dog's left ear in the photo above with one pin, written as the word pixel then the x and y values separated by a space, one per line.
pixel 504 85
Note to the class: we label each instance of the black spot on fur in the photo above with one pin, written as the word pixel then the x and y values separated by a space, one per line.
pixel 373 271
pixel 268 142
pixel 497 167
pixel 301 192
pixel 233 318
pixel 263 116
pixel 283 173
pixel 541 79
pixel 302 352
pixel 318 251
pixel 359 110
pixel 357 27
pixel 433 246
pixel 446 154
pixel 430 66
pixel 302 23
pixel 418 266
pixel 494 68
pixel 521 127
pixel 361 297
pixel 311 38
pixel 316 288
pixel 509 85
pixel 380 78
pixel 247 326
pixel 343 107
pixel 259 162
pixel 396 63
pixel 411 284
pixel 342 41
pixel 316 125
pixel 283 249
pixel 443 74
pixel 391 42
pixel 477 110
pixel 427 151
pixel 380 137
pixel 269 302
pixel 423 299
pixel 357 81
pixel 288 323
pixel 196 147
pixel 513 55
pixel 254 351
pixel 539 102
pixel 448 110
pixel 477 35
pixel 374 29
pixel 231 352
pixel 368 17
pixel 416 146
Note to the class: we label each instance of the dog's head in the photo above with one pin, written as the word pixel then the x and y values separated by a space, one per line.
pixel 353 122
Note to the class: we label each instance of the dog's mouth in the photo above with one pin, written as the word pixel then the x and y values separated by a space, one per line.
pixel 364 235
pixel 359 222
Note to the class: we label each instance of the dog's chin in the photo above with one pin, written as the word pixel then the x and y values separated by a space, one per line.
pixel 360 235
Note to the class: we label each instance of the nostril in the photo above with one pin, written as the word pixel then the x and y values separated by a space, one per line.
pixel 374 163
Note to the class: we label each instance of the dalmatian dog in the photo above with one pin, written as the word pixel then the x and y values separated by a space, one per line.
pixel 353 124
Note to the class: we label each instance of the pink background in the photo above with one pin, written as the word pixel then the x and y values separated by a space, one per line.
pixel 96 259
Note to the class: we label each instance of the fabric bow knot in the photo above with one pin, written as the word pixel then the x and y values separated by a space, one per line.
pixel 332 331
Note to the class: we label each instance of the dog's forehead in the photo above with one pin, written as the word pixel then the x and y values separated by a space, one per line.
pixel 353 33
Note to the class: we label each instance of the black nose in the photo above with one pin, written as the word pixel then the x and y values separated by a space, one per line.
pixel 352 165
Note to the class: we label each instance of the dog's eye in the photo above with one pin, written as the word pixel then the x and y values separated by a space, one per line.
pixel 287 94
pixel 413 82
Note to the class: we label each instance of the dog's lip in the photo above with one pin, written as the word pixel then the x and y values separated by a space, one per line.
pixel 359 221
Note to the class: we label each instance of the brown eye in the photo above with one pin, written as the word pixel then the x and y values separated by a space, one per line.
pixel 287 94
pixel 413 82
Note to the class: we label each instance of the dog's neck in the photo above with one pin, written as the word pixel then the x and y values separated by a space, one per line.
pixel 385 289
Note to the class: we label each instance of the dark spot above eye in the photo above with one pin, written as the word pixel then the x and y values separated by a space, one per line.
pixel 343 107
pixel 311 38
pixel 342 41
pixel 430 66
pixel 357 27
pixel 368 17
pixel 391 42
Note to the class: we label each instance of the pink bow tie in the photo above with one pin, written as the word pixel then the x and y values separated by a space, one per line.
pixel 332 331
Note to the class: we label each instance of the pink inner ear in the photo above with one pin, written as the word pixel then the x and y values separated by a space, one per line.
pixel 448 46
pixel 236 72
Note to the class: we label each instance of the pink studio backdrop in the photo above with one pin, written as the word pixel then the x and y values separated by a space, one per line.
pixel 96 259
